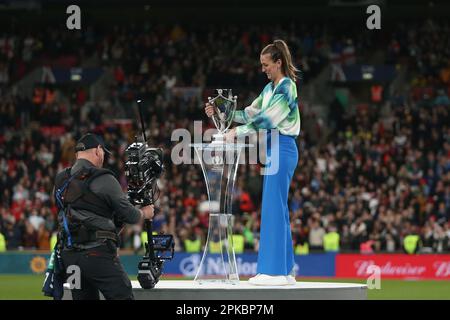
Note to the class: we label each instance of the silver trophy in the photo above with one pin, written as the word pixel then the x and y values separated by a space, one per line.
pixel 219 161
pixel 225 105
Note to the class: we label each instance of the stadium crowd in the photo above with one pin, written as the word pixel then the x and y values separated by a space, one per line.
pixel 378 178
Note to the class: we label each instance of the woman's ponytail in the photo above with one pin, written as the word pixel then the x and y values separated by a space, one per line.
pixel 279 50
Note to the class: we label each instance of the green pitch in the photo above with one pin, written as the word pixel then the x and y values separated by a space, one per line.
pixel 28 287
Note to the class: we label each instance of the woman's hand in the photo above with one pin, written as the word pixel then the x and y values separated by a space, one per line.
pixel 209 109
pixel 230 135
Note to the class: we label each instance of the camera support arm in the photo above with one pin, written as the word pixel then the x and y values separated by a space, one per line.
pixel 149 247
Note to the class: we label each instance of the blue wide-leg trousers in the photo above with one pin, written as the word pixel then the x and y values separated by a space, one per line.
pixel 276 252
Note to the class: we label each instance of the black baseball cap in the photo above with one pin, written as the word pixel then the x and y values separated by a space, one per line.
pixel 89 141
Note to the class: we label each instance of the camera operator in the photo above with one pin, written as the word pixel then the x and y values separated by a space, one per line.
pixel 95 207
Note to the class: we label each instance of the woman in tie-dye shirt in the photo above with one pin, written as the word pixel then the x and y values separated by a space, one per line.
pixel 276 108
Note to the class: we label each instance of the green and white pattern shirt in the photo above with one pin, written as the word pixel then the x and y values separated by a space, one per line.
pixel 274 108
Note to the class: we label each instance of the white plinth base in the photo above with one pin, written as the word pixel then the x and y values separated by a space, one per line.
pixel 190 290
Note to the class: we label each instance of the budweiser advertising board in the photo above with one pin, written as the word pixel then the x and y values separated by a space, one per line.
pixel 400 266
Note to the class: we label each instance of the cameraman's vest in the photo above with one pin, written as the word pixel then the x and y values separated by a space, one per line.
pixel 78 196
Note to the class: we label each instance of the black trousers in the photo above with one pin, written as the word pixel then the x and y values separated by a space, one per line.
pixel 100 270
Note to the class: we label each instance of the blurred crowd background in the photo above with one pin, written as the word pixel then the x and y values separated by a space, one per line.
pixel 374 167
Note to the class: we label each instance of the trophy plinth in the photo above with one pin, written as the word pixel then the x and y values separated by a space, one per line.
pixel 219 162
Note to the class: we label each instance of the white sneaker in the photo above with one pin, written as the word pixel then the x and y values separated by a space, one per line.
pixel 291 280
pixel 292 273
pixel 252 279
pixel 267 280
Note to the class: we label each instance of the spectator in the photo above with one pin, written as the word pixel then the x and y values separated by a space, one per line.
pixel 316 234
pixel 43 238
pixel 30 236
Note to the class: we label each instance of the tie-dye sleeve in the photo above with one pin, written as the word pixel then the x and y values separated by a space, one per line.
pixel 244 116
pixel 283 101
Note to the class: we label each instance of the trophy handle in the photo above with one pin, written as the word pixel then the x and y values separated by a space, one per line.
pixel 214 116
